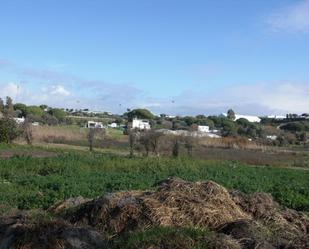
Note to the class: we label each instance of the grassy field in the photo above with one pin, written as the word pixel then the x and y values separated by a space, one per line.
pixel 206 148
pixel 37 182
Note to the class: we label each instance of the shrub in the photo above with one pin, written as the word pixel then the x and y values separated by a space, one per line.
pixel 9 130
pixel 294 127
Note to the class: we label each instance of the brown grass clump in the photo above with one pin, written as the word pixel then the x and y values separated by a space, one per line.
pixel 285 224
pixel 112 214
pixel 202 204
pixel 174 203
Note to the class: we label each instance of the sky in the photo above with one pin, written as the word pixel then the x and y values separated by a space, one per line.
pixel 180 57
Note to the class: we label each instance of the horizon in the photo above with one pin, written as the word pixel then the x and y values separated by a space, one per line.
pixel 174 57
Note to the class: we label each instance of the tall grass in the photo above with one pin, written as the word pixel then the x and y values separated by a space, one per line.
pixel 231 142
pixel 58 133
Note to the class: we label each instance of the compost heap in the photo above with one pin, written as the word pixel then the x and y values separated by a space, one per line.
pixel 234 219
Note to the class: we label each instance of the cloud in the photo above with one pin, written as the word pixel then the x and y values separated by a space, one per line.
pixel 69 91
pixel 59 90
pixel 256 99
pixel 294 18
pixel 11 89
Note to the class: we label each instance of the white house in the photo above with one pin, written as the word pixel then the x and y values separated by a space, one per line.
pixel 140 124
pixel 271 137
pixel 278 117
pixel 113 125
pixel 93 124
pixel 254 119
pixel 19 120
pixel 203 128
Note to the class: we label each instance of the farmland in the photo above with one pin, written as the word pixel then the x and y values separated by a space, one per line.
pixel 28 182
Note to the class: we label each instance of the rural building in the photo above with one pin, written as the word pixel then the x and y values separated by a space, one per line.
pixel 278 117
pixel 203 128
pixel 19 120
pixel 113 125
pixel 93 124
pixel 271 137
pixel 140 124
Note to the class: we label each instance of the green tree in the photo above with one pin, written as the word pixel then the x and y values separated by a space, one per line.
pixel 1 105
pixel 139 113
pixel 231 114
pixel 43 107
pixel 21 107
pixel 190 120
pixel 243 122
pixel 34 110
pixel 294 127
pixel 229 128
pixel 9 130
pixel 49 119
pixel 58 114
pixel 9 106
pixel 205 121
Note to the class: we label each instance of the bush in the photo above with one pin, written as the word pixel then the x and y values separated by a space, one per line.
pixel 9 130
pixel 294 127
pixel 58 114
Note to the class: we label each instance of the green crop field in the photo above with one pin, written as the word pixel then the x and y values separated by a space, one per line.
pixel 27 182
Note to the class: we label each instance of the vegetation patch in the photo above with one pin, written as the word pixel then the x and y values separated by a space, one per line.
pixel 28 182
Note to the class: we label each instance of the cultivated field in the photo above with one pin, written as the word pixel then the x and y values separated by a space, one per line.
pixel 57 193
pixel 49 176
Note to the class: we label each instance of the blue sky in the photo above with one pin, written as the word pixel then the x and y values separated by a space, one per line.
pixel 171 56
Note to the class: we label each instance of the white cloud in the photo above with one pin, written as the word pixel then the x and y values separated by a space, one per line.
pixel 68 91
pixel 259 99
pixel 59 90
pixel 281 96
pixel 255 99
pixel 294 18
pixel 11 89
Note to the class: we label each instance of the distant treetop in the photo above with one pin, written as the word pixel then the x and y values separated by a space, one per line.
pixel 139 113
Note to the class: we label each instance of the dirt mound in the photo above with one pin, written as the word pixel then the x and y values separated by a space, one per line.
pixel 286 224
pixel 60 207
pixel 180 203
pixel 21 233
pixel 174 203
pixel 234 219
pixel 249 233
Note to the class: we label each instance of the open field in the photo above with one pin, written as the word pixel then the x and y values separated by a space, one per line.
pixel 278 158
pixel 74 135
pixel 37 182
pixel 207 148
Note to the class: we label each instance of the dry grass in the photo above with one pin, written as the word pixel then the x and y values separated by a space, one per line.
pixel 52 134
pixel 202 204
pixel 231 143
pixel 176 203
